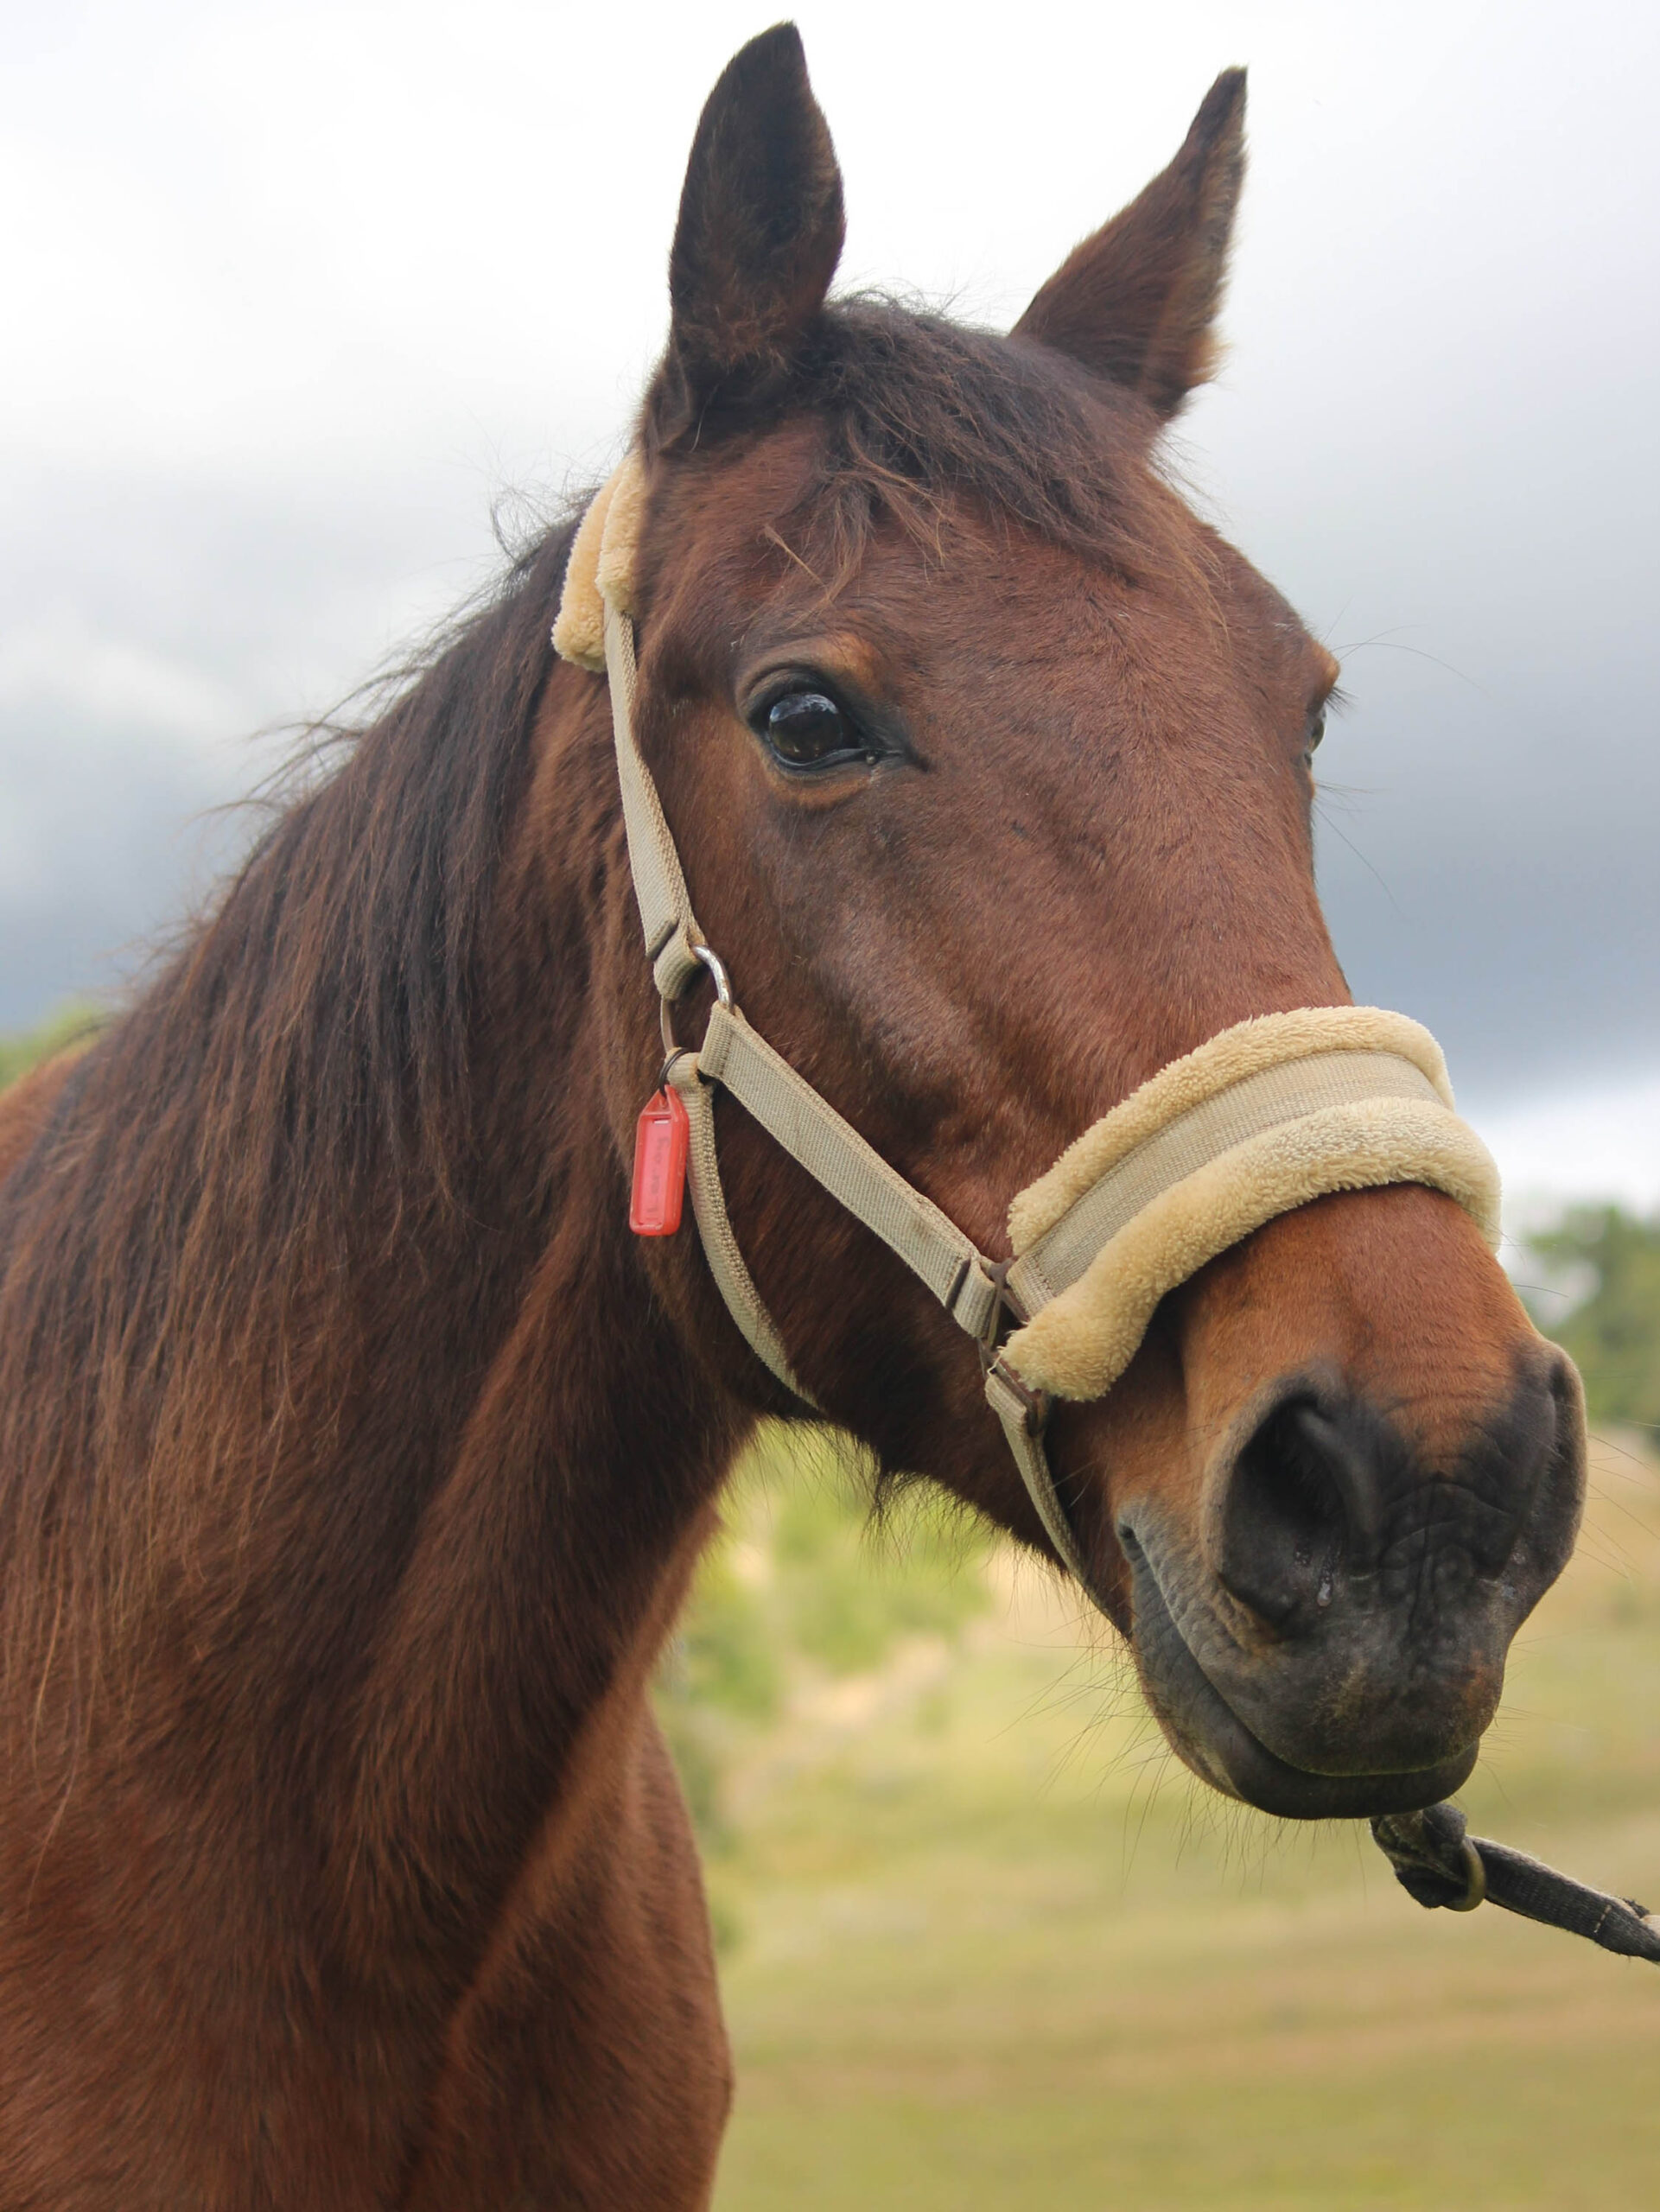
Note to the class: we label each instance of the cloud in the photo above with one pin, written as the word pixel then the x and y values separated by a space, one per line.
pixel 62 663
pixel 291 296
pixel 1580 1144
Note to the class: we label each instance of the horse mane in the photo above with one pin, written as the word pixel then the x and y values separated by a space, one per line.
pixel 294 1087
pixel 294 1081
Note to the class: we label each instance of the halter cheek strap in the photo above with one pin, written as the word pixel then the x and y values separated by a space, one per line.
pixel 1262 1118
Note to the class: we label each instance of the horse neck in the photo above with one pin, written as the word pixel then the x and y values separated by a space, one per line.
pixel 561 1517
pixel 459 1475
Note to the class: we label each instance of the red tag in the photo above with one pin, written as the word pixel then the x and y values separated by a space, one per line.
pixel 660 1142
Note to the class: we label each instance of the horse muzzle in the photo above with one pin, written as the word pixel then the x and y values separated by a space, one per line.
pixel 1334 1645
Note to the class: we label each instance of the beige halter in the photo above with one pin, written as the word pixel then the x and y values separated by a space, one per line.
pixel 1261 1119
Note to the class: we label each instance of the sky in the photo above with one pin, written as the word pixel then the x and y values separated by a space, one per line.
pixel 295 296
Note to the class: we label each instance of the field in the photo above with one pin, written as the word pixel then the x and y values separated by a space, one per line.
pixel 985 1947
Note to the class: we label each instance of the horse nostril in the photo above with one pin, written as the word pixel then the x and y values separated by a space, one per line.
pixel 1302 1502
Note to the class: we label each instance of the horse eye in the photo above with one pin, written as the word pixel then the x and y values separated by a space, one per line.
pixel 807 728
pixel 1316 731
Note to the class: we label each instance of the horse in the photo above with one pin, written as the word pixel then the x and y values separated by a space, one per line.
pixel 354 1456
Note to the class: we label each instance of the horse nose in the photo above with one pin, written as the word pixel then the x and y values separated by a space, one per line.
pixel 1326 1492
pixel 1302 1503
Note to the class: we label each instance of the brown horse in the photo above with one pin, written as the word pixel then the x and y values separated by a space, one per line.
pixel 355 1457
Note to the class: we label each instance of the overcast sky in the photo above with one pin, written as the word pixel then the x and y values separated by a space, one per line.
pixel 292 293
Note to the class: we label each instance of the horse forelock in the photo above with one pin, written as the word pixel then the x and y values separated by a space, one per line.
pixel 918 412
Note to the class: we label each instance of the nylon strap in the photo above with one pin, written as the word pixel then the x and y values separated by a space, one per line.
pixel 806 1125
pixel 786 1106
pixel 720 1247
pixel 653 861
pixel 834 1153
pixel 1023 1413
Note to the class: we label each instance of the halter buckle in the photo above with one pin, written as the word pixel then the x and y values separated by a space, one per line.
pixel 1005 1307
pixel 1034 1403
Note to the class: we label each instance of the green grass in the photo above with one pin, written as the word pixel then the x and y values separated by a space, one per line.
pixel 987 1948
pixel 1495 2133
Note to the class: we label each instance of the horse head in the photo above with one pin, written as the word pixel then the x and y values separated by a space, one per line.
pixel 990 766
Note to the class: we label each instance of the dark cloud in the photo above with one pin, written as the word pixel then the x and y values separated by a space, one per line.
pixel 265 401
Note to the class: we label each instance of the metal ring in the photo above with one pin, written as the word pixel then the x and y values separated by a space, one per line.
pixel 677 1052
pixel 716 967
pixel 998 1272
pixel 1034 1404
pixel 1476 1875
pixel 711 960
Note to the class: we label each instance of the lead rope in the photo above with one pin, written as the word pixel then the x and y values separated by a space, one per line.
pixel 1434 1860
pixel 1438 1863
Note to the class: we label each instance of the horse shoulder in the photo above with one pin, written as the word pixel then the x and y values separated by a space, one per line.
pixel 596 2002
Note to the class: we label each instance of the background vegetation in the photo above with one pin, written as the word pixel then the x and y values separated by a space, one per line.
pixel 1613 1329
pixel 18 1054
pixel 984 1945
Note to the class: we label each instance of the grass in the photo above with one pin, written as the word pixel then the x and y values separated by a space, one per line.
pixel 987 1948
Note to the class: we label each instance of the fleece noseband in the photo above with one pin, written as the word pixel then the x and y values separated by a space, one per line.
pixel 1261 1119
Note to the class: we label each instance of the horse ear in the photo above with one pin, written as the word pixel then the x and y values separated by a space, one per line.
pixel 759 234
pixel 1137 301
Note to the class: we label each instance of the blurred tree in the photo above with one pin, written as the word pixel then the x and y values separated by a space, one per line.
pixel 1613 1333
pixel 847 1592
pixel 802 1583
pixel 19 1053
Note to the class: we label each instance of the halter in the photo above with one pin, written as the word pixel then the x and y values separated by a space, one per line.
pixel 1265 1116
pixel 1261 1119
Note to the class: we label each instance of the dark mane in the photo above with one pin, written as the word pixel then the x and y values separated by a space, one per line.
pixel 296 1079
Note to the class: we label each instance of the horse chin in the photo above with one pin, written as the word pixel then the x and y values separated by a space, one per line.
pixel 1208 1736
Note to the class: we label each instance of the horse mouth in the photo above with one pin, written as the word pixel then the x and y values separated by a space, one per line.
pixel 1208 1736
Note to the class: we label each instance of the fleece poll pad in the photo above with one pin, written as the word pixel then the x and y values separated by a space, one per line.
pixel 1262 1118
pixel 601 566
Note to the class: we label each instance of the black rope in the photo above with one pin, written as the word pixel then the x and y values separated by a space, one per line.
pixel 1437 1863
